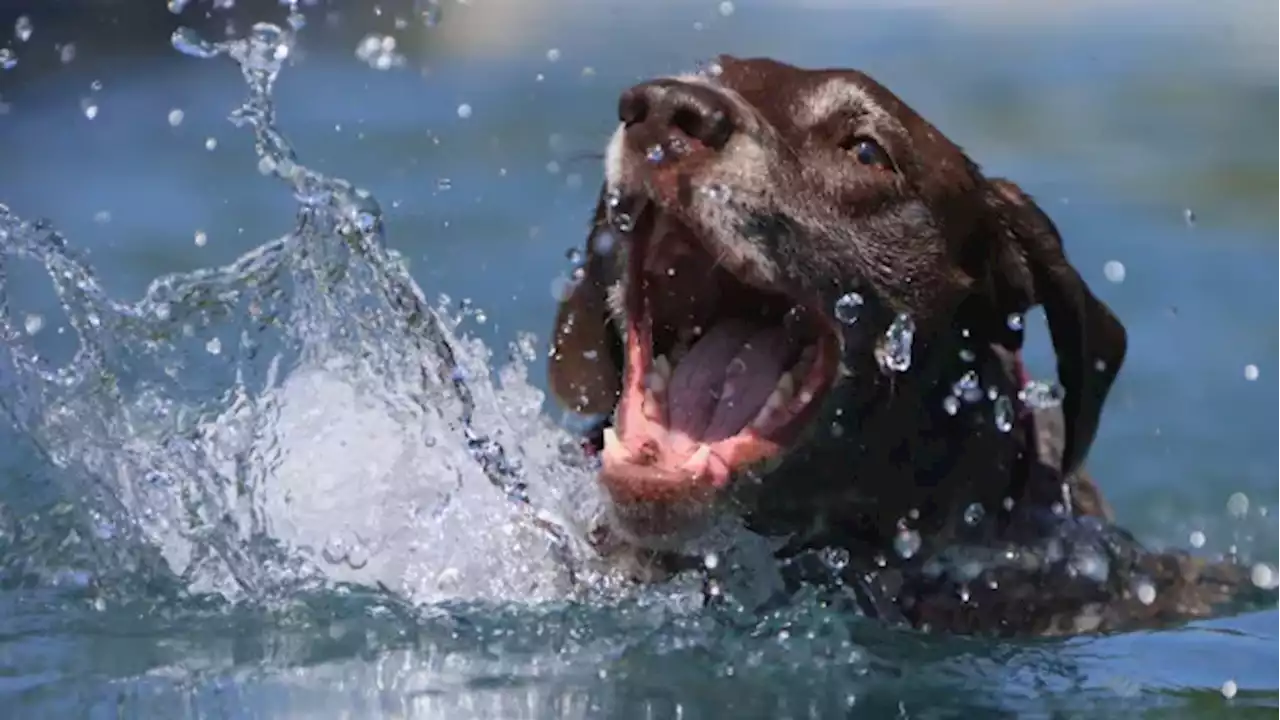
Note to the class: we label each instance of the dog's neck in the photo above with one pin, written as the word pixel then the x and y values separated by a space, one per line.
pixel 920 454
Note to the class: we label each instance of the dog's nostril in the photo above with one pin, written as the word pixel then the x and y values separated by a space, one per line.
pixel 710 126
pixel 633 107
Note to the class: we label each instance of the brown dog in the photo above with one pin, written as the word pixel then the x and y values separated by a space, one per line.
pixel 803 305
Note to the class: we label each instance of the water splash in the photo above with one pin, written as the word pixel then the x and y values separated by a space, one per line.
pixel 300 417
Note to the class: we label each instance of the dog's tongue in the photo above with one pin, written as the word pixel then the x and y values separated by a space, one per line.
pixel 724 379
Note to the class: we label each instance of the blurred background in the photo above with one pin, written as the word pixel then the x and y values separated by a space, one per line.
pixel 1145 129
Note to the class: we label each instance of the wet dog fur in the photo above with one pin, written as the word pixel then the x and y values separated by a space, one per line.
pixel 815 184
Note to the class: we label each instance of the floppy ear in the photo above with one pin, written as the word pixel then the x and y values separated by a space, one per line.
pixel 1029 267
pixel 585 367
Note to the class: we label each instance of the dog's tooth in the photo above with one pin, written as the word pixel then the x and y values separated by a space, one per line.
pixel 656 382
pixel 662 366
pixel 697 463
pixel 652 407
pixel 777 400
pixel 786 385
pixel 613 445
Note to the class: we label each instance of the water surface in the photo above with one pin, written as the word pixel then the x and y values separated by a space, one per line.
pixel 257 491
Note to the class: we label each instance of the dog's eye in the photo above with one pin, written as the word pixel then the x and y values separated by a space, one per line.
pixel 868 152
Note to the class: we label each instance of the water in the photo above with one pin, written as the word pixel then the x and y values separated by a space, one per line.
pixel 263 488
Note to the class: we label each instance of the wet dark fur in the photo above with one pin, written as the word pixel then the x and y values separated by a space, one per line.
pixel 956 251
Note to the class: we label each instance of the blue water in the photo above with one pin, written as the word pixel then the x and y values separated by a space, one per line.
pixel 1144 130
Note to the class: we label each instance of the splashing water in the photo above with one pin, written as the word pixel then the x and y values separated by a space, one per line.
pixel 299 417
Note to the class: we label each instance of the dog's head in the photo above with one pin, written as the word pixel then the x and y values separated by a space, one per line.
pixel 772 247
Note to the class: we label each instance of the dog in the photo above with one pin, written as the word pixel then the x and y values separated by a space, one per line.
pixel 803 306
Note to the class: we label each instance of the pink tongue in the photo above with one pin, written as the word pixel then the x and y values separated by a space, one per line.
pixel 724 379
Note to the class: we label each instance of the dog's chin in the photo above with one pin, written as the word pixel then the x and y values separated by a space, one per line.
pixel 724 371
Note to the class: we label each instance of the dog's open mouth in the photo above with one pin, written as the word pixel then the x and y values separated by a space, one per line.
pixel 723 372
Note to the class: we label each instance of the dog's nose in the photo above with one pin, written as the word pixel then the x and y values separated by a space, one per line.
pixel 699 112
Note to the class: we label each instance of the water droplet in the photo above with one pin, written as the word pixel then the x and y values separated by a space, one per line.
pixel 623 222
pixel 1238 505
pixel 1041 395
pixel 189 42
pixel 967 355
pixel 553 54
pixel 175 117
pixel 1263 576
pixel 974 514
pixel 67 53
pixel 1197 539
pixel 1003 411
pixel 1189 216
pixel 1250 372
pixel 561 287
pixel 22 28
pixel 655 154
pixel 835 558
pixel 1114 271
pixel 711 561
pixel 726 8
pixel 464 111
pixel 718 193
pixel 443 184
pixel 1015 321
pixel 214 346
pixel 89 107
pixel 8 60
pixel 1090 564
pixel 357 554
pixel 379 52
pixel 177 6
pixel 201 238
pixel 848 307
pixel 428 11
pixel 33 324
pixel 1145 591
pixel 1229 689
pixel 335 550
pixel 951 405
pixel 906 543
pixel 894 353
pixel 968 387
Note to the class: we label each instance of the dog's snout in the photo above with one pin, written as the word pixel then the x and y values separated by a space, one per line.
pixel 699 112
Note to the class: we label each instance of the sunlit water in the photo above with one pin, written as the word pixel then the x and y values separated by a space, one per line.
pixel 296 485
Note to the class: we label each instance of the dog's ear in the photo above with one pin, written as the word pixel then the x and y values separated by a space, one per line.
pixel 1026 266
pixel 585 368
